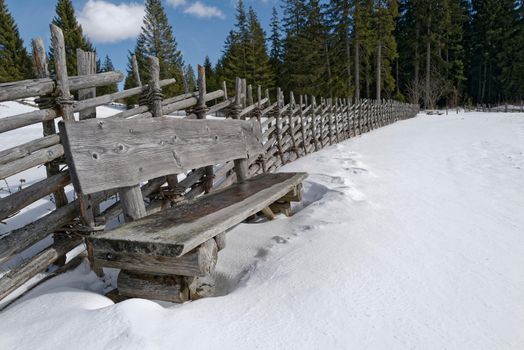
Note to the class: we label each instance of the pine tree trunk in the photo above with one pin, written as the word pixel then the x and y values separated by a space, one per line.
pixel 428 71
pixel 348 62
pixel 357 58
pixel 379 70
pixel 417 67
pixel 330 86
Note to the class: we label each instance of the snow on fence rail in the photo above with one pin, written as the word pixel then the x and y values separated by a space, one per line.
pixel 290 131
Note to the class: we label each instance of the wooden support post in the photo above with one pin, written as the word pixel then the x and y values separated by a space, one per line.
pixel 224 87
pixel 155 92
pixel 48 126
pixel 291 123
pixel 242 169
pixel 65 100
pixel 136 73
pixel 250 101
pixel 86 64
pixel 278 127
pixel 236 108
pixel 330 122
pixel 132 203
pixel 302 126
pixel 314 120
pixel 201 110
pixel 243 93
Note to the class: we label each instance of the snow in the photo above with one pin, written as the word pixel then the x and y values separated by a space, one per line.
pixel 410 236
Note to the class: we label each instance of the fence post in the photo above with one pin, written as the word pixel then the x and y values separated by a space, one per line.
pixel 302 126
pixel 41 70
pixel 86 64
pixel 291 123
pixel 201 110
pixel 278 126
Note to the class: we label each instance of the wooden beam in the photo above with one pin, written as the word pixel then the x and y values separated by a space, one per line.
pixel 20 199
pixel 200 261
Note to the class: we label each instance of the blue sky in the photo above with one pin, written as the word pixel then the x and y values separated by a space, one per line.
pixel 200 26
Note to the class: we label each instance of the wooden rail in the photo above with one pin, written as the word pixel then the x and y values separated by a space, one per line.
pixel 290 130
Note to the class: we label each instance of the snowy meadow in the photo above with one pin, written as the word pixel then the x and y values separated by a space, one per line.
pixel 409 236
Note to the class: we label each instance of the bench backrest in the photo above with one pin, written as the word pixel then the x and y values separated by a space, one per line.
pixel 112 153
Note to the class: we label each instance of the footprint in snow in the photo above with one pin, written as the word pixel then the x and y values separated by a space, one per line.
pixel 280 240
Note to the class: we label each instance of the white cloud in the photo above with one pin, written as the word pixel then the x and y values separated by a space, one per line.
pixel 198 9
pixel 176 3
pixel 105 22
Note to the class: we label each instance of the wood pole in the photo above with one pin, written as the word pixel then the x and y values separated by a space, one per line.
pixel 86 65
pixel 48 126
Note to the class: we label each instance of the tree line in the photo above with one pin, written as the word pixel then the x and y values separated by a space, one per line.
pixel 435 53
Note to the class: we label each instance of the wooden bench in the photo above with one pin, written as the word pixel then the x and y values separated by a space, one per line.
pixel 170 255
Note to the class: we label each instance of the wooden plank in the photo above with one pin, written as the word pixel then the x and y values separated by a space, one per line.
pixel 38 157
pixel 178 230
pixel 200 261
pixel 20 199
pixel 107 154
pixel 167 288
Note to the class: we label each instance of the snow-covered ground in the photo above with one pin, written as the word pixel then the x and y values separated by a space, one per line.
pixel 410 236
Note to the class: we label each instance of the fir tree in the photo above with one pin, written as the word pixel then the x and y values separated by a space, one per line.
pixel 276 53
pixel 157 39
pixel 212 82
pixel 385 12
pixel 15 63
pixel 106 66
pixel 494 25
pixel 340 22
pixel 245 52
pixel 259 67
pixel 306 67
pixel 190 78
pixel 74 38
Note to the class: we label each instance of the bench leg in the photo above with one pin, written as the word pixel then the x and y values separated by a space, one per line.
pixel 268 213
pixel 220 240
pixel 173 288
pixel 281 207
pixel 200 287
pixel 157 287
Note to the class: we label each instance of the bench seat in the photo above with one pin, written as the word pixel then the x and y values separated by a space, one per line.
pixel 176 231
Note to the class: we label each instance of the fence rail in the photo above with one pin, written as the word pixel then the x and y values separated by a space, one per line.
pixel 290 130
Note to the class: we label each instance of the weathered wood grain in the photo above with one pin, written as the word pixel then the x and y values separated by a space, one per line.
pixel 133 205
pixel 161 287
pixel 35 158
pixel 200 261
pixel 178 230
pixel 23 150
pixel 38 87
pixel 107 154
pixel 86 65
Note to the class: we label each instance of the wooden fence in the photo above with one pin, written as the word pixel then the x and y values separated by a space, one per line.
pixel 290 130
